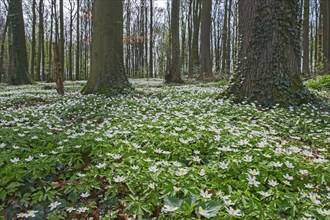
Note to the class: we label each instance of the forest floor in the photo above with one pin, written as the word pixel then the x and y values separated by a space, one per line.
pixel 164 152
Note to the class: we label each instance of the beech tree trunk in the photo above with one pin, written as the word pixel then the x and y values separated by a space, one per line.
pixel 205 46
pixel 107 62
pixel 19 62
pixel 325 10
pixel 306 38
pixel 174 74
pixel 269 56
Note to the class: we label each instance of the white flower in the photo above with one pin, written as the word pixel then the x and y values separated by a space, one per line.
pixel 152 185
pixel 119 179
pixel 21 215
pixel 288 177
pixel 176 189
pixel 135 167
pixel 30 158
pixel 53 205
pixel 153 169
pixel 100 165
pixel 82 209
pixel 304 172
pixel 197 152
pixel 116 156
pixel 15 160
pixel 228 202
pixel 328 196
pixel 202 172
pixel 181 172
pixel 77 146
pixel 253 181
pixel 70 209
pixel 264 194
pixel 323 212
pixel 247 158
pixel 254 172
pixel 205 194
pixel 81 174
pixel 286 182
pixel 204 212
pixel 196 159
pixel 233 212
pixel 168 208
pixel 30 213
pixel 223 165
pixel 85 195
pixel 272 182
pixel 277 164
pixel 2 145
pixel 98 139
pixel 314 198
pixel 158 151
pixel 309 186
pixel 289 165
pixel 177 164
pixel 15 147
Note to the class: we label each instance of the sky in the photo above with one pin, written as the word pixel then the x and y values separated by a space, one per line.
pixel 160 3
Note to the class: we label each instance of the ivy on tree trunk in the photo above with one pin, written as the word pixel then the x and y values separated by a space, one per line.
pixel 269 56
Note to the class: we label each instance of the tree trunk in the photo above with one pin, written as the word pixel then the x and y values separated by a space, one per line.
pixel 228 48
pixel 40 41
pixel 78 42
pixel 205 46
pixel 2 49
pixel 269 68
pixel 174 74
pixel 151 41
pixel 224 41
pixel 58 72
pixel 50 77
pixel 194 58
pixel 70 56
pixel 325 10
pixel 107 62
pixel 62 40
pixel 33 43
pixel 306 38
pixel 19 61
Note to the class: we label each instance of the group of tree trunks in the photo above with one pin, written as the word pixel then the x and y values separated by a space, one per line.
pixel 269 54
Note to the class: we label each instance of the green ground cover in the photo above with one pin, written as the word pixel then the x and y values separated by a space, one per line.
pixel 164 152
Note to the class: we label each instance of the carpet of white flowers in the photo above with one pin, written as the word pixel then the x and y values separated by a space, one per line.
pixel 163 152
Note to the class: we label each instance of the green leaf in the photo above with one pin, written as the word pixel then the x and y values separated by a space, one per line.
pixel 174 202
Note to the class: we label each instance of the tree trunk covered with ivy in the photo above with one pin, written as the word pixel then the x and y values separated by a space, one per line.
pixel 269 56
pixel 107 63
pixel 19 73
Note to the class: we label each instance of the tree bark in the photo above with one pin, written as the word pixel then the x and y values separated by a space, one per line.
pixel 325 10
pixel 205 46
pixel 78 42
pixel 151 41
pixel 19 61
pixel 107 63
pixel 269 68
pixel 174 74
pixel 33 43
pixel 58 70
pixel 62 40
pixel 2 49
pixel 306 38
